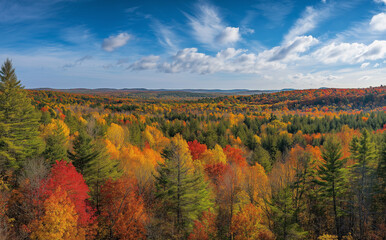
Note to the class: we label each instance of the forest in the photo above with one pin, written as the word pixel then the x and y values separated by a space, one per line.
pixel 301 164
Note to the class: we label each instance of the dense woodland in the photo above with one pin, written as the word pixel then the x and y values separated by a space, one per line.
pixel 307 164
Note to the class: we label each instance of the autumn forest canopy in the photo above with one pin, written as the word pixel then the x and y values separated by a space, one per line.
pixel 299 164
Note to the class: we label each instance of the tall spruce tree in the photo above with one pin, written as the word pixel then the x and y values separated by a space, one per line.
pixel 19 121
pixel 56 146
pixel 181 188
pixel 93 162
pixel 83 151
pixel 363 181
pixel 332 180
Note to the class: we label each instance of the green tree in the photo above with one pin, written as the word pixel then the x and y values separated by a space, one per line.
pixel 94 163
pixel 19 121
pixel 332 179
pixel 56 146
pixel 98 170
pixel 181 188
pixel 83 151
pixel 363 179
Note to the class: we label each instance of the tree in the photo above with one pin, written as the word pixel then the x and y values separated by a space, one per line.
pixel 248 224
pixel 59 220
pixel 363 178
pixel 205 228
pixel 56 145
pixel 123 214
pixel 84 151
pixel 181 189
pixel 98 170
pixel 196 149
pixel 19 121
pixel 332 179
pixel 65 176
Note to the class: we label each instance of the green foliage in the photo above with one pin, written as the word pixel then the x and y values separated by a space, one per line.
pixel 181 189
pixel 19 121
pixel 56 146
pixel 333 179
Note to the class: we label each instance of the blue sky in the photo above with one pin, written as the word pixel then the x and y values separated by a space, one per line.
pixel 195 44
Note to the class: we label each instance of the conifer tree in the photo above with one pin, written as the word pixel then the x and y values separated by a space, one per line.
pixel 98 169
pixel 332 179
pixel 181 188
pixel 56 146
pixel 363 179
pixel 19 121
pixel 83 151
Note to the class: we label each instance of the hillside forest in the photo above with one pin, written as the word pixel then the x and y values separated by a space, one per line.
pixel 301 164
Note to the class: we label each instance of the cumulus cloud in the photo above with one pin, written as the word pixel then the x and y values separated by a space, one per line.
pixel 306 23
pixel 378 22
pixel 208 27
pixel 351 52
pixel 113 42
pixel 229 35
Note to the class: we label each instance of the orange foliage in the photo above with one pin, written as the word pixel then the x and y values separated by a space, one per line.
pixel 123 213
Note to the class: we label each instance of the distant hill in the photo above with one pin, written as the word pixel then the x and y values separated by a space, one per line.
pixel 159 93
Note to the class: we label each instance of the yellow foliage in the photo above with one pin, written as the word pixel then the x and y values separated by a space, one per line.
pixel 215 155
pixel 116 135
pixel 112 149
pixel 155 138
pixel 60 219
pixel 53 126
pixel 328 237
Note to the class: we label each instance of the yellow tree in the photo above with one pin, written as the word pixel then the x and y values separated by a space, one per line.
pixel 116 135
pixel 60 219
pixel 155 138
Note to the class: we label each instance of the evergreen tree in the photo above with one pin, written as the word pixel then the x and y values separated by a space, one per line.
pixel 283 215
pixel 56 146
pixel 181 188
pixel 19 121
pixel 332 179
pixel 98 169
pixel 83 151
pixel 363 180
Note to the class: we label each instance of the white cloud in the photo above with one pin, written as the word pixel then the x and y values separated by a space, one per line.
pixel 376 65
pixel 365 65
pixel 378 22
pixel 306 23
pixel 351 52
pixel 229 35
pixel 145 63
pixel 113 42
pixel 380 1
pixel 208 28
pixel 290 50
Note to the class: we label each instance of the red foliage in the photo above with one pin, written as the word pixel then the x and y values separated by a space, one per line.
pixel 205 229
pixel 196 149
pixel 64 175
pixel 122 210
pixel 215 171
pixel 235 155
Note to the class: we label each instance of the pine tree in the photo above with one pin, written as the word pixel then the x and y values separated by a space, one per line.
pixel 98 170
pixel 181 188
pixel 56 146
pixel 332 179
pixel 363 179
pixel 83 151
pixel 19 121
